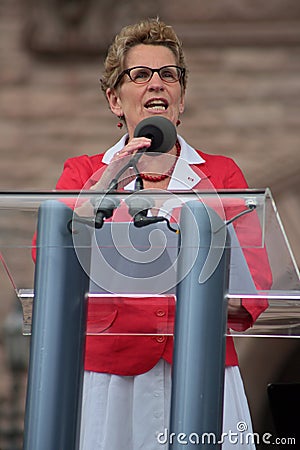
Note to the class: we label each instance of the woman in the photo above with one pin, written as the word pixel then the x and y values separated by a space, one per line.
pixel 126 397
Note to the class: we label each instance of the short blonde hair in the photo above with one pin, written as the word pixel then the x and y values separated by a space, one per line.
pixel 149 32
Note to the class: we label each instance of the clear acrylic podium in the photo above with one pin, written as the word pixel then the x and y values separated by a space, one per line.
pixel 148 249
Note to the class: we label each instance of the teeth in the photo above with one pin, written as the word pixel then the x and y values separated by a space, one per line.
pixel 156 105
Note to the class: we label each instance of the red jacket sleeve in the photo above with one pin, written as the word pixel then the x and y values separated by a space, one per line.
pixel 77 173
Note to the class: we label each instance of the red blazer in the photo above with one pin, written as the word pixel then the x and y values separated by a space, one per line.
pixel 131 355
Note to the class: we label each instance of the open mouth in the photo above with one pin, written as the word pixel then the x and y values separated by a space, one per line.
pixel 157 105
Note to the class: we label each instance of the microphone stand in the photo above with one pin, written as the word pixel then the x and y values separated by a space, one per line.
pixel 132 163
pixel 138 206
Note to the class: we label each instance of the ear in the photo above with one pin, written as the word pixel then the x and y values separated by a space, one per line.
pixel 114 102
pixel 182 104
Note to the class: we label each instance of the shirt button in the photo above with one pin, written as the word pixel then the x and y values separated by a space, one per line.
pixel 160 339
pixel 160 313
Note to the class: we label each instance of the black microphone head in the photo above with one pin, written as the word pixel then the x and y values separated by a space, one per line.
pixel 160 130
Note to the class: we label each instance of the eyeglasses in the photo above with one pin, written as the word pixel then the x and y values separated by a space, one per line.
pixel 142 74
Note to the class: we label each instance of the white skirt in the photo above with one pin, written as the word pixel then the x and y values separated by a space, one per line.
pixel 132 412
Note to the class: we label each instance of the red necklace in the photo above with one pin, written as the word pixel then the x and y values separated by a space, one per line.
pixel 163 176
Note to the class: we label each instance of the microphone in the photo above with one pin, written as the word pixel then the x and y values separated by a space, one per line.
pixel 138 206
pixel 163 135
pixel 105 209
pixel 160 130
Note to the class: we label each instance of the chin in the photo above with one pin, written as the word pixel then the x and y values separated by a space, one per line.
pixel 159 113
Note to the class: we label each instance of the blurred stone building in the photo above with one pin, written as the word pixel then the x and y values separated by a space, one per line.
pixel 243 100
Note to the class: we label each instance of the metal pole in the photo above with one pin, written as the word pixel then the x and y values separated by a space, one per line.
pixel 53 406
pixel 199 352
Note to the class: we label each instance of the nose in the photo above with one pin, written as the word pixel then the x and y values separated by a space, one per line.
pixel 156 83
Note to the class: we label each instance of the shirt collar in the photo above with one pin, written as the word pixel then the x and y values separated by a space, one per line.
pixel 109 154
pixel 183 177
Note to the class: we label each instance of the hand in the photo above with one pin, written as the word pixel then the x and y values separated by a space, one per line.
pixel 119 160
pixel 132 147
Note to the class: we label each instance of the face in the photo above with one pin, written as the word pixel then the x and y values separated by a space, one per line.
pixel 156 97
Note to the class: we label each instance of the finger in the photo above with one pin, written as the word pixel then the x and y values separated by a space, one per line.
pixel 132 147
